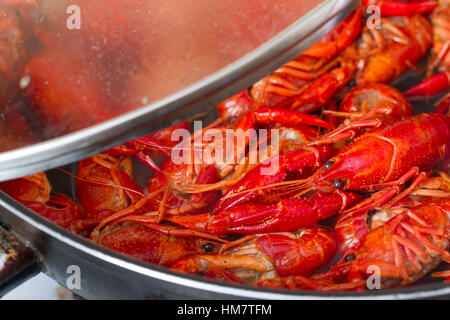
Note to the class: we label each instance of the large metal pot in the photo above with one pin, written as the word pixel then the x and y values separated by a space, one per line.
pixel 36 245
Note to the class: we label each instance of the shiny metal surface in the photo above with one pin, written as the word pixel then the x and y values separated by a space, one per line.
pixel 181 105
pixel 18 262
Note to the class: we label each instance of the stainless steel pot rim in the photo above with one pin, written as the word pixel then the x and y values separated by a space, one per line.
pixel 194 282
pixel 248 69
pixel 83 140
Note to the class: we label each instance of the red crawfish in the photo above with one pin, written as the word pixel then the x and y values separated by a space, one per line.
pixel 372 101
pixel 377 56
pixel 389 52
pixel 165 188
pixel 104 186
pixel 160 200
pixel 441 36
pixel 367 103
pixel 294 129
pixel 440 57
pixel 105 182
pixel 352 227
pixel 205 179
pixel 290 81
pixel 35 187
pixel 392 8
pixel 286 214
pixel 398 152
pixel 232 213
pixel 267 256
pixel 158 244
pixel 406 245
pixel 173 177
pixel 14 53
pixel 152 147
pixel 430 86
pixel 175 202
pixel 34 192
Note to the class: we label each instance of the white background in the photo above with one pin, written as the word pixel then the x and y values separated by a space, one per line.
pixel 40 287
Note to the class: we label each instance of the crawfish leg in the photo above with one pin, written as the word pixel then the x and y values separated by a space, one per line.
pixel 359 115
pixel 288 117
pixel 323 89
pixel 438 187
pixel 285 215
pixel 391 195
pixel 346 132
pixel 205 263
pixel 431 86
pixel 273 170
pixel 397 8
pixel 133 208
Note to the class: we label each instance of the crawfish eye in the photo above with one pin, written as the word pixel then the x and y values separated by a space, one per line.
pixel 232 119
pixel 208 248
pixel 350 257
pixel 338 184
pixel 372 212
pixel 328 164
pixel 351 83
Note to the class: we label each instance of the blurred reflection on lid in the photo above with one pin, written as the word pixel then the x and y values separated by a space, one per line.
pixel 66 65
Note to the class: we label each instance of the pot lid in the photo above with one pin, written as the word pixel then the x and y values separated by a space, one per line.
pixel 81 76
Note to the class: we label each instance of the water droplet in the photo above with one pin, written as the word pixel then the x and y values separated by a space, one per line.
pixel 24 82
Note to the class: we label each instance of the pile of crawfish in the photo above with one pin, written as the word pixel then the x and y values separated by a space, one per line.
pixel 360 185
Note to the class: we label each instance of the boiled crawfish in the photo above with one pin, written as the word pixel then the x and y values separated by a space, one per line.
pixel 268 256
pixel 157 244
pixel 104 186
pixel 400 149
pixel 409 243
pixel 377 56
pixel 440 57
pixel 288 82
pixel 14 53
pixel 441 35
pixel 391 51
pixel 233 214
pixel 34 192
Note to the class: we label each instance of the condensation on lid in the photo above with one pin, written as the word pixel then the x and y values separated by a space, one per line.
pixel 73 64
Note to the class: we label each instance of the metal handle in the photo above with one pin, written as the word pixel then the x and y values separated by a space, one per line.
pixel 18 262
